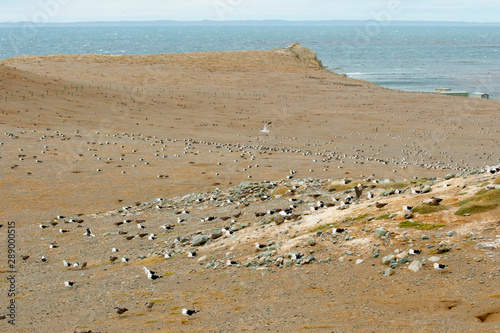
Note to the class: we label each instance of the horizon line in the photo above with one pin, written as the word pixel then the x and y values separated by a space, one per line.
pixel 245 21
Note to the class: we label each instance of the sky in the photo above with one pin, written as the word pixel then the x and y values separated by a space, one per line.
pixel 55 11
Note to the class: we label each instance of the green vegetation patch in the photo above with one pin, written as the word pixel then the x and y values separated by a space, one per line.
pixel 482 201
pixel 324 226
pixel 428 209
pixel 280 190
pixel 357 218
pixel 393 185
pixel 419 226
pixel 385 216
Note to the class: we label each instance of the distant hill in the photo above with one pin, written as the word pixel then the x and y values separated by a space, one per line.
pixel 245 23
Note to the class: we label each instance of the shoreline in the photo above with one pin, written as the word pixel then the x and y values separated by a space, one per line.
pixel 351 48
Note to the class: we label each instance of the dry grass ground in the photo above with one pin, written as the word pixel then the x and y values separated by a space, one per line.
pixel 164 126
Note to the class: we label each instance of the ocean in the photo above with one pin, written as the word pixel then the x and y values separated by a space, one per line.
pixel 413 58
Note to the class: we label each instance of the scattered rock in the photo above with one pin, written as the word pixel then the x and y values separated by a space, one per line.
pixel 309 259
pixel 216 233
pixel 488 246
pixel 199 240
pixel 389 192
pixel 426 189
pixel 449 176
pixel 380 231
pixel 387 259
pixel 415 266
pixel 402 255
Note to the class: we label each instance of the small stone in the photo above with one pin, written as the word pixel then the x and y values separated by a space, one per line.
pixel 424 237
pixel 402 255
pixel 199 240
pixel 216 233
pixel 248 263
pixel 287 263
pixel 245 184
pixel 311 242
pixel 387 259
pixel 380 231
pixel 426 189
pixel 202 259
pixel 449 176
pixel 415 266
pixel 434 259
pixel 265 254
pixel 451 233
pixel 388 192
pixel 389 272
pixel 488 245
pixel 310 259
pixel 359 261
pixel 403 260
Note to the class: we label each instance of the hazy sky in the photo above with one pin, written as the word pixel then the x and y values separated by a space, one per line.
pixel 187 10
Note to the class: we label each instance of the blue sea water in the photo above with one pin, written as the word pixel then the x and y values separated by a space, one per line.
pixel 414 58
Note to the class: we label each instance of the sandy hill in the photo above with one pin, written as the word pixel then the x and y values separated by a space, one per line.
pixel 105 139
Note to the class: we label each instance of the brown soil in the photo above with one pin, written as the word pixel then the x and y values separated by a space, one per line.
pixel 201 109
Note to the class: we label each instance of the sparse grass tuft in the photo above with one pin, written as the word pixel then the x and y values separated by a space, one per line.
pixel 482 201
pixel 394 185
pixel 427 209
pixel 280 190
pixel 357 218
pixel 152 260
pixel 383 216
pixel 324 226
pixel 419 226
pixel 157 300
pixel 314 327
